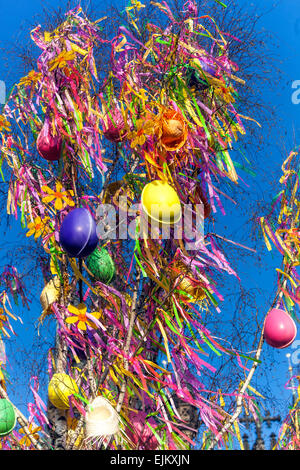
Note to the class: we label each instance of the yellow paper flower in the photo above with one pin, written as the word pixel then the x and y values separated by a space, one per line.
pixel 33 432
pixel 143 128
pixel 3 322
pixel 79 316
pixel 135 4
pixel 62 198
pixel 32 78
pixel 61 60
pixel 4 124
pixel 3 318
pixel 38 227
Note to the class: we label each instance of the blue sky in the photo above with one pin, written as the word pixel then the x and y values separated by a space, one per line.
pixel 282 18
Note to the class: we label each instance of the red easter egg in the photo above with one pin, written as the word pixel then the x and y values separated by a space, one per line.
pixel 280 329
pixel 49 145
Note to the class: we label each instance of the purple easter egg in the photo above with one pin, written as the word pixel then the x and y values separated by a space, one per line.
pixel 77 235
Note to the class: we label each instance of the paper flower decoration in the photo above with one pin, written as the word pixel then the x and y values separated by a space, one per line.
pixel 81 317
pixel 3 318
pixel 4 124
pixel 61 198
pixel 139 136
pixel 32 78
pixel 61 60
pixel 38 227
pixel 25 441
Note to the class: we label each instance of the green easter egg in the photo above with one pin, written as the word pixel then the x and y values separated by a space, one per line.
pixel 101 266
pixel 7 417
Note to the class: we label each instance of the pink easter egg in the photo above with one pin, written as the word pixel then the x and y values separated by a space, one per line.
pixel 280 329
pixel 114 126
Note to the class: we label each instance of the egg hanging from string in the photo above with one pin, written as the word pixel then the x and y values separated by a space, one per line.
pixel 50 294
pixel 49 145
pixel 77 234
pixel 280 329
pixel 7 417
pixel 60 388
pixel 101 266
pixel 161 203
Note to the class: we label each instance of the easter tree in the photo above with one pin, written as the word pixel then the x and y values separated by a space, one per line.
pixel 115 167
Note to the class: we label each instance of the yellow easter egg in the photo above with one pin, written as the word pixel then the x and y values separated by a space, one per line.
pixel 161 202
pixel 60 388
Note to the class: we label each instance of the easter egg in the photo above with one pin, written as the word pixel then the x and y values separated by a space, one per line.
pixel 280 329
pixel 171 130
pixel 101 419
pixel 113 125
pixel 101 266
pixel 77 234
pixel 60 388
pixel 50 293
pixel 161 202
pixel 7 417
pixel 48 145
